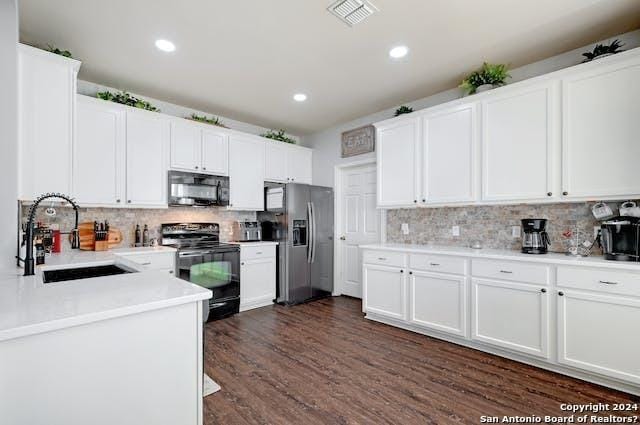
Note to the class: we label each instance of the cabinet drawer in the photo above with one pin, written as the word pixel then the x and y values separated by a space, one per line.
pixel 251 252
pixel 611 281
pixel 164 261
pixel 438 263
pixel 511 270
pixel 396 259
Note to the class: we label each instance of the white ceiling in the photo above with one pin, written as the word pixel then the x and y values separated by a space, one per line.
pixel 246 59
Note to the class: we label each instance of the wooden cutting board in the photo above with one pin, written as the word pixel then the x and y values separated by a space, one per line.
pixel 87 237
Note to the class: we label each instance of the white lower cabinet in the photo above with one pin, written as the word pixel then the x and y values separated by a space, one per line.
pixel 439 302
pixel 385 291
pixel 511 315
pixel 598 333
pixel 257 277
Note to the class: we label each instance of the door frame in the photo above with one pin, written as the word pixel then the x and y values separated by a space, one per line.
pixel 338 173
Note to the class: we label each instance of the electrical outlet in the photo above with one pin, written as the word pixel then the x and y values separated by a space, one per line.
pixel 515 232
pixel 455 231
pixel 405 228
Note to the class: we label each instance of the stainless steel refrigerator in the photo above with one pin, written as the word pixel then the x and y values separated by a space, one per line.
pixel 300 218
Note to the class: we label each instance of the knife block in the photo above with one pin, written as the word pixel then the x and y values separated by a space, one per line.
pixel 101 245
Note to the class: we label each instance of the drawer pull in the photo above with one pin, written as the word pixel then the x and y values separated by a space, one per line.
pixel 544 291
pixel 606 282
pixel 506 271
pixel 148 263
pixel 434 264
pixel 561 293
pixel 382 259
pixel 259 253
pixel 401 271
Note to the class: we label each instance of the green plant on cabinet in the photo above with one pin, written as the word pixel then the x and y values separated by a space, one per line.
pixel 202 118
pixel 125 98
pixel 493 75
pixel 403 110
pixel 603 50
pixel 56 51
pixel 279 136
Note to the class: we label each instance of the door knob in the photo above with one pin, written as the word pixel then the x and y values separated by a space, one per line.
pixel 343 238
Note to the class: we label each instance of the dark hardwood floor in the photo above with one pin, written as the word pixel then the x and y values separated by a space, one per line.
pixel 323 363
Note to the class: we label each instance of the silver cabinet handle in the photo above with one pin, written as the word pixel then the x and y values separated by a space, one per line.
pixel 259 253
pixel 434 264
pixel 382 259
pixel 606 282
pixel 170 271
pixel 148 263
pixel 506 271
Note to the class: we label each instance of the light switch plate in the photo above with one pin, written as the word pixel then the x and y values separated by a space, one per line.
pixel 515 232
pixel 455 230
pixel 405 228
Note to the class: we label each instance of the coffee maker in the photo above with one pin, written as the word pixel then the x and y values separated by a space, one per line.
pixel 535 239
pixel 620 239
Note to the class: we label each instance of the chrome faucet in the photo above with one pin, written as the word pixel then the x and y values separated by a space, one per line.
pixel 29 263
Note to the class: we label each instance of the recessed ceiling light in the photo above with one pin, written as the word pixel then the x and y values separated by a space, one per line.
pixel 399 52
pixel 165 45
pixel 300 97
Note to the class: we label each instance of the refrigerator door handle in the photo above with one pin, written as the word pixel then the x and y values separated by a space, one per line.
pixel 309 232
pixel 313 232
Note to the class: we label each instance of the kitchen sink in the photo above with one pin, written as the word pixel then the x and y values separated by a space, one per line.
pixel 62 275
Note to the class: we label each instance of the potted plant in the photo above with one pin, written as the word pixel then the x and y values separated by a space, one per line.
pixel 486 78
pixel 403 110
pixel 602 50
pixel 204 119
pixel 55 50
pixel 279 136
pixel 125 98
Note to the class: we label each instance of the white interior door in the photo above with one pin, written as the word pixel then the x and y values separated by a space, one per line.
pixel 359 224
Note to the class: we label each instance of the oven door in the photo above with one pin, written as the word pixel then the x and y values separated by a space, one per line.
pixel 215 269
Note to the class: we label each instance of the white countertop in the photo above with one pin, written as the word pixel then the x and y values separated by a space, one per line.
pixel 508 255
pixel 28 306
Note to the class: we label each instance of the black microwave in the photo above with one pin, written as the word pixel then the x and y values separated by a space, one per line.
pixel 621 239
pixel 197 190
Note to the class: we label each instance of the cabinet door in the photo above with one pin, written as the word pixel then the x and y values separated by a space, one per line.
pixel 276 162
pixel 449 160
pixel 246 173
pixel 299 164
pixel 258 283
pixel 47 97
pixel 185 146
pixel 215 152
pixel 518 144
pixel 600 132
pixel 99 153
pixel 398 162
pixel 513 316
pixel 385 291
pixel 439 302
pixel 147 152
pixel 598 333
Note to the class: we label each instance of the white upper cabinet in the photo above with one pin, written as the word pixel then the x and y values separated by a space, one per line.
pixel 287 163
pixel 46 110
pixel 246 173
pixel 186 146
pixel 299 162
pixel 99 153
pixel 148 136
pixel 518 142
pixel 215 152
pixel 449 156
pixel 276 161
pixel 398 163
pixel 601 129
pixel 198 148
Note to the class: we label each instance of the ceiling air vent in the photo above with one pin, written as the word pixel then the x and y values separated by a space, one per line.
pixel 352 12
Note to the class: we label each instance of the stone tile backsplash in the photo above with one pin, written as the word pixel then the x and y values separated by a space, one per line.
pixel 490 224
pixel 126 219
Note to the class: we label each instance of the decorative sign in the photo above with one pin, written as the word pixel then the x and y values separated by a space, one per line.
pixel 358 141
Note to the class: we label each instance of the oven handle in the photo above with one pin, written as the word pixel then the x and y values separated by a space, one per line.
pixel 187 254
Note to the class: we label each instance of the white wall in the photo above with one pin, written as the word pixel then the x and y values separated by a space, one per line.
pixel 90 89
pixel 8 130
pixel 326 143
